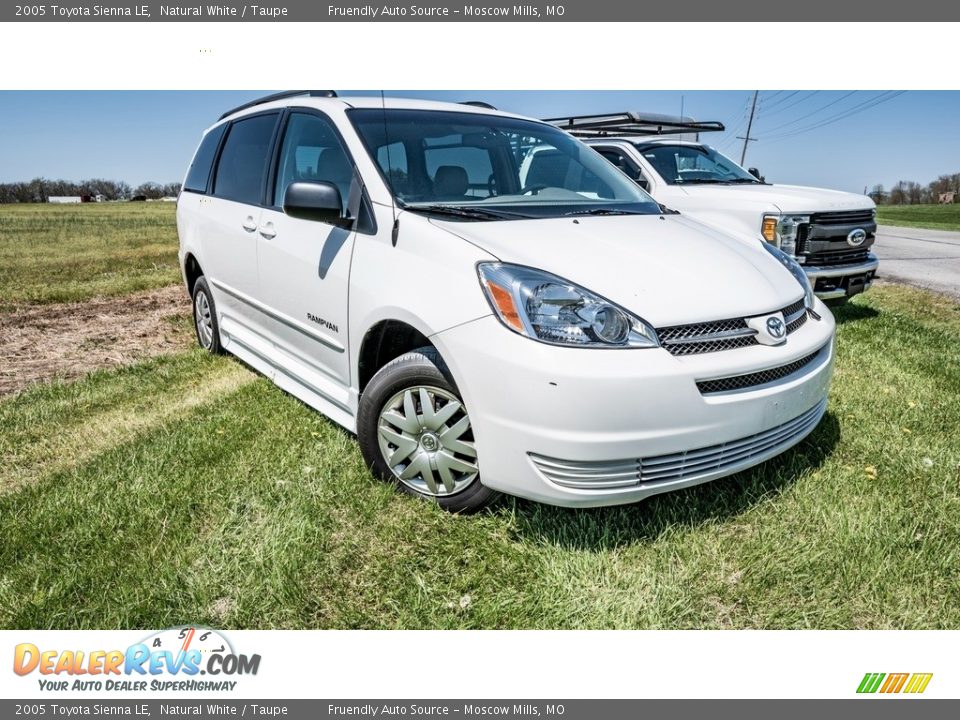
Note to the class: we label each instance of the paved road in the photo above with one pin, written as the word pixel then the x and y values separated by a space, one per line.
pixel 928 258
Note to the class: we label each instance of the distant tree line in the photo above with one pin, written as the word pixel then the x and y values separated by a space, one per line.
pixel 39 189
pixel 908 192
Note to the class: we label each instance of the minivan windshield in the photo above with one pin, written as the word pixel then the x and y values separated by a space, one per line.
pixel 694 165
pixel 475 166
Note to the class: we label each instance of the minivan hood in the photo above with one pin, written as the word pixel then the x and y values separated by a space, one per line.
pixel 787 198
pixel 668 269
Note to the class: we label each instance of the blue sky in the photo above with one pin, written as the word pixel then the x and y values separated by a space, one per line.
pixel 150 135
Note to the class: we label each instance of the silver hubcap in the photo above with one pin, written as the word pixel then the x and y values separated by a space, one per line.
pixel 203 319
pixel 425 438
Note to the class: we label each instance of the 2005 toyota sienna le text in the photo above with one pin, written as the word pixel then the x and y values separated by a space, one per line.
pixel 487 324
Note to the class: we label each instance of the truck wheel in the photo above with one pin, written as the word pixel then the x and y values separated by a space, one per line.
pixel 205 317
pixel 414 431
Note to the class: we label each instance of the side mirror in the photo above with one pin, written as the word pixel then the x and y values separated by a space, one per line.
pixel 756 174
pixel 643 183
pixel 319 201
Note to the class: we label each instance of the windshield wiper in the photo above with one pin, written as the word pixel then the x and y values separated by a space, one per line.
pixel 702 181
pixel 601 211
pixel 472 213
pixel 752 181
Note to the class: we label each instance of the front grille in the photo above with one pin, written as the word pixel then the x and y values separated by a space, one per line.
pixel 838 257
pixel 719 335
pixel 842 217
pixel 688 465
pixel 762 377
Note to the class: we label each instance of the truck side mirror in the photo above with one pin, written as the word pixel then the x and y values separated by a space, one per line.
pixel 643 183
pixel 756 174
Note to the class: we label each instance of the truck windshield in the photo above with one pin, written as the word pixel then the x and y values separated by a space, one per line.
pixel 694 164
pixel 474 166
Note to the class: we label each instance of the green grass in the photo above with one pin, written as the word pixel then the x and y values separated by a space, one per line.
pixel 60 253
pixel 186 489
pixel 935 217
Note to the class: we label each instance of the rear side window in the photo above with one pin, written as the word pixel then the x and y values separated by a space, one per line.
pixel 243 161
pixel 199 173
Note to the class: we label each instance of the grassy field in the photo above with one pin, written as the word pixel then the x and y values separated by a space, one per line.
pixel 184 489
pixel 58 253
pixel 935 217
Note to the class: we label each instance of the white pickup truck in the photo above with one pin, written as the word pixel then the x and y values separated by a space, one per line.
pixel 828 232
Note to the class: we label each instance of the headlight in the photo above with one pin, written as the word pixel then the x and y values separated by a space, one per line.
pixel 794 267
pixel 552 310
pixel 782 230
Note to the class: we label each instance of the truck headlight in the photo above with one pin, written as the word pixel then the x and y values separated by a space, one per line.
pixel 550 309
pixel 794 267
pixel 782 230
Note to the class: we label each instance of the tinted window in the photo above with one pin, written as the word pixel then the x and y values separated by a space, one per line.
pixel 199 173
pixel 243 161
pixel 312 152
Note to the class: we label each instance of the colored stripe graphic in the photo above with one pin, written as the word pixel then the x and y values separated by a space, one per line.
pixel 894 683
pixel 870 682
pixel 918 682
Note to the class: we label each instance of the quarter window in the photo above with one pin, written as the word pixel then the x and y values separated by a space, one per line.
pixel 243 162
pixel 198 176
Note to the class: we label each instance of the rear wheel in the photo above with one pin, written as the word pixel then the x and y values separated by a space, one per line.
pixel 205 317
pixel 414 431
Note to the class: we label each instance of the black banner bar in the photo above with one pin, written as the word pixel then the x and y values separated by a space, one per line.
pixel 852 11
pixel 868 708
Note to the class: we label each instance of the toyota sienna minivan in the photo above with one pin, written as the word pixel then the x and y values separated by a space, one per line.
pixel 553 334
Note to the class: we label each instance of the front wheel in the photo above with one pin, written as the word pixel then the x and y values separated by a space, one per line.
pixel 414 431
pixel 205 317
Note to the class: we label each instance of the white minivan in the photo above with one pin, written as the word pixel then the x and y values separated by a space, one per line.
pixel 560 338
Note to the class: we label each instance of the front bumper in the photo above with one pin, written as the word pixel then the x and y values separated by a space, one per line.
pixel 837 281
pixel 590 427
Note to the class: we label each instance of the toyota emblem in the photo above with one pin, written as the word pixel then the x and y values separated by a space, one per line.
pixel 856 237
pixel 776 328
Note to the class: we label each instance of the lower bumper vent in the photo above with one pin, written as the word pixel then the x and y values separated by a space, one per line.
pixel 689 465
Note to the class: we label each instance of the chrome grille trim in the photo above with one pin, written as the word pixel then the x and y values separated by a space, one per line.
pixel 718 335
pixel 688 465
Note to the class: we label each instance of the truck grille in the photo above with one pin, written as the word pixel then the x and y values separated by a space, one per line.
pixel 838 257
pixel 823 241
pixel 762 377
pixel 688 465
pixel 719 335
pixel 842 217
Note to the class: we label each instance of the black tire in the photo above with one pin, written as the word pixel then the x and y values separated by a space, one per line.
pixel 209 341
pixel 837 302
pixel 418 368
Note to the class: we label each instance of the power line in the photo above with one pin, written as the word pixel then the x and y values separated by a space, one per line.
pixel 781 100
pixel 849 112
pixel 793 104
pixel 812 112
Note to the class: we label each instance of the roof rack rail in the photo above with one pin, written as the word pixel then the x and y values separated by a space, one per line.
pixel 479 104
pixel 280 96
pixel 631 124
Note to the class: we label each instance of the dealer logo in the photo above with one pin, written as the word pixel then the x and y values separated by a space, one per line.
pixel 172 660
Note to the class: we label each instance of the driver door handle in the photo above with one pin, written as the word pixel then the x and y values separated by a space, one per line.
pixel 249 224
pixel 267 231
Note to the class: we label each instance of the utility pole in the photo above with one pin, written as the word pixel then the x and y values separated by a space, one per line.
pixel 747 138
